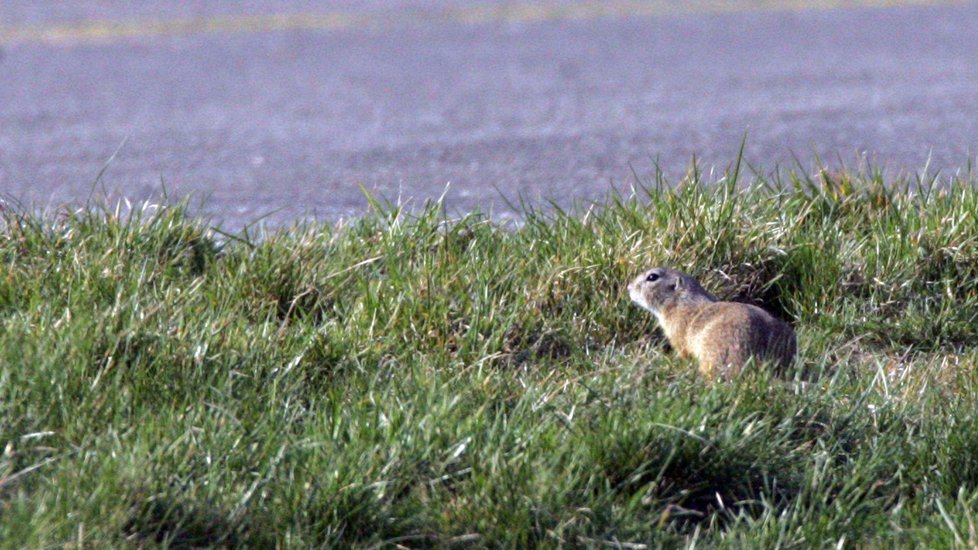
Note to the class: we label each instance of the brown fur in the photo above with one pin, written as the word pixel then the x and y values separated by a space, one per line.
pixel 721 336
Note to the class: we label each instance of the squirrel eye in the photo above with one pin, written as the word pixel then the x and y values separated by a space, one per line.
pixel 653 277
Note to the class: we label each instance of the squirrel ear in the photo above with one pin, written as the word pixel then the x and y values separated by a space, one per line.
pixel 678 285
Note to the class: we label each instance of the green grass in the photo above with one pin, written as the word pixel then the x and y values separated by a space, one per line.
pixel 410 379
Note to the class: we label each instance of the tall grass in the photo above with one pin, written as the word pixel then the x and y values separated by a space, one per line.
pixel 404 378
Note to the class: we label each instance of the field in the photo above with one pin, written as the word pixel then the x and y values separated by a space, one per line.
pixel 409 379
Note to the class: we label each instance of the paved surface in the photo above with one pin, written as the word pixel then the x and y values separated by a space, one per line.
pixel 263 106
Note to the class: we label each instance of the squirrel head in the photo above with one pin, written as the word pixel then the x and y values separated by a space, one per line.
pixel 658 289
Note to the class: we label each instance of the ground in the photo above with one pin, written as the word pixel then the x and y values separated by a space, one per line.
pixel 424 380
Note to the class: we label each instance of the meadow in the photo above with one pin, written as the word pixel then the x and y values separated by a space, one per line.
pixel 409 378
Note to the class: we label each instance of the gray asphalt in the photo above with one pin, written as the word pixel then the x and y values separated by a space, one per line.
pixel 405 101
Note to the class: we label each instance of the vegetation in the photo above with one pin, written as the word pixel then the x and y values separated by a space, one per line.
pixel 408 379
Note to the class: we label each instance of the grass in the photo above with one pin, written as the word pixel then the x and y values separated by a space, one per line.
pixel 408 379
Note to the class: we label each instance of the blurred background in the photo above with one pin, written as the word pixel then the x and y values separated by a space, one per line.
pixel 283 110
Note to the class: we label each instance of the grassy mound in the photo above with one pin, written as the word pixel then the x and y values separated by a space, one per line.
pixel 409 379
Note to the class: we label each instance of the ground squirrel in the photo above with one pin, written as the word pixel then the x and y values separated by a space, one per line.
pixel 722 336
